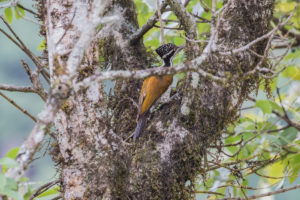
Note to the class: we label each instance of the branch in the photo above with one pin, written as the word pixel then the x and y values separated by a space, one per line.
pixel 287 119
pixel 27 9
pixel 193 65
pixel 288 33
pixel 13 88
pixel 188 22
pixel 57 97
pixel 9 4
pixel 250 44
pixel 28 19
pixel 36 82
pixel 23 47
pixel 162 35
pixel 149 24
pixel 263 195
pixel 43 188
pixel 17 106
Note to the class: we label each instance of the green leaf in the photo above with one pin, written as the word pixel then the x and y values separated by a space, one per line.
pixel 264 105
pixel 288 135
pixel 244 127
pixel 276 107
pixel 41 46
pixel 232 140
pixel 274 143
pixel 294 165
pixel 292 72
pixel 19 12
pixel 8 14
pixel 49 192
pixel 13 153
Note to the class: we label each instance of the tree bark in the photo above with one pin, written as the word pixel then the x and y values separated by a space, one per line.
pixel 95 160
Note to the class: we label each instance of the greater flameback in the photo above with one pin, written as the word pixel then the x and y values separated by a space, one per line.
pixel 154 86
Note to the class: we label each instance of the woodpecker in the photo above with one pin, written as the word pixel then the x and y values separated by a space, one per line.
pixel 154 86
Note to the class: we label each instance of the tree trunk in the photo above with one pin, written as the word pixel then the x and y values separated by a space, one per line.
pixel 95 160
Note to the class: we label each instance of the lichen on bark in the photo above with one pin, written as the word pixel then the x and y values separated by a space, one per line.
pixel 95 159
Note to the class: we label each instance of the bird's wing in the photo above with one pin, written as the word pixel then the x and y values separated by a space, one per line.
pixel 143 93
pixel 154 88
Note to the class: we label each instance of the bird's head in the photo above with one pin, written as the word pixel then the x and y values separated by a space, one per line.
pixel 167 52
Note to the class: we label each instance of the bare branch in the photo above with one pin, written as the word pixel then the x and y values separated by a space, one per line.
pixel 23 47
pixel 204 20
pixel 28 19
pixel 149 24
pixel 205 6
pixel 288 120
pixel 263 195
pixel 43 188
pixel 186 20
pixel 27 9
pixel 37 84
pixel 17 106
pixel 193 65
pixel 13 88
pixel 57 97
pixel 170 28
pixel 9 4
pixel 250 44
pixel 162 35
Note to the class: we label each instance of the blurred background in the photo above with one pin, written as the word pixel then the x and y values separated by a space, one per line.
pixel 14 125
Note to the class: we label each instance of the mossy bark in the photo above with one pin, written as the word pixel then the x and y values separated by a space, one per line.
pixel 94 159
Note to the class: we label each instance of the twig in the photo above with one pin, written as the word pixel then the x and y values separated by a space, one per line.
pixel 23 47
pixel 208 192
pixel 263 195
pixel 13 88
pixel 227 145
pixel 193 65
pixel 27 9
pixel 67 28
pixel 17 106
pixel 288 33
pixel 37 84
pixel 285 116
pixel 57 97
pixel 270 177
pixel 204 20
pixel 191 40
pixel 162 35
pixel 171 28
pixel 149 24
pixel 250 44
pixel 28 19
pixel 279 129
pixel 9 4
pixel 43 188
pixel 205 6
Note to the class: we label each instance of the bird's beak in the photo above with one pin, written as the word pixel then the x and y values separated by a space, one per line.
pixel 179 48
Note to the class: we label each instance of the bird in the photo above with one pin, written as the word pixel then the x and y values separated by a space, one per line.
pixel 154 86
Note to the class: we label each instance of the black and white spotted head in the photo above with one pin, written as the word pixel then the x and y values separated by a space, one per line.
pixel 167 52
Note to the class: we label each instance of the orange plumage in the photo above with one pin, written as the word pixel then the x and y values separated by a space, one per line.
pixel 154 86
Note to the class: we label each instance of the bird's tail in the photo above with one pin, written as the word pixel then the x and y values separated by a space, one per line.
pixel 140 126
